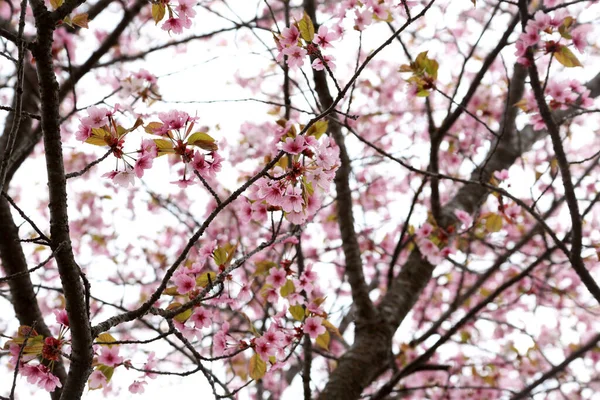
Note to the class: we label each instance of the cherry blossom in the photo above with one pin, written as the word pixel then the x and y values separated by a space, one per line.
pixel 313 327
pixel 110 356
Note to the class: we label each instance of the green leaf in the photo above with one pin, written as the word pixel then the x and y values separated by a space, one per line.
pixel 318 128
pixel 220 256
pixel 203 279
pixel 106 338
pixel 297 312
pixel 158 12
pixel 323 340
pixel 81 20
pixel 56 3
pixel 98 137
pixel 172 291
pixel 306 28
pixel 263 266
pixel 203 140
pixel 565 27
pixel 566 57
pixel 257 367
pixel 35 345
pixel 164 146
pixel 287 289
pixel 493 223
pixel 181 317
pixel 153 126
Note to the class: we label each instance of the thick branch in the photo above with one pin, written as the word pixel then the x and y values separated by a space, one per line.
pixel 23 295
pixel 81 338
pixel 365 310
pixel 416 272
pixel 563 166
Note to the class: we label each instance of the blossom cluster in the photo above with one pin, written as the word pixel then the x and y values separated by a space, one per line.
pixel 179 16
pixel 176 138
pixel 560 95
pixel 290 45
pixel 552 34
pixel 294 189
pixel 100 128
pixel 141 84
pixel 365 12
pixel 35 355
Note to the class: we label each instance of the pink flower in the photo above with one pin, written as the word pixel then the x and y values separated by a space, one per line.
pixel 531 36
pixel 32 372
pixel 142 163
pixel 207 250
pixel 425 230
pixel 363 19
pixel 579 36
pixel 215 165
pixel 110 356
pixel 295 56
pixel 297 218
pixel 292 201
pixel 463 217
pixel 324 37
pixel 183 182
pixel 379 10
pixel 259 211
pixel 96 118
pixel 199 163
pixel 97 380
pixel 124 179
pixel 137 386
pixel 277 277
pixel 173 24
pixel 501 175
pixel 313 327
pixel 49 382
pixel 329 61
pixel 521 48
pixel 272 193
pixel 61 317
pixel 186 8
pixel 271 295
pixel 184 283
pixel 310 274
pixel 149 148
pixel 220 345
pixel 150 365
pixel 264 349
pixel 201 317
pixel 244 294
pixel 294 146
pixel 512 211
pixel 430 251
pixel 84 132
pixel 246 212
pixel 540 21
pixel 290 36
pixel 274 336
pixel 303 283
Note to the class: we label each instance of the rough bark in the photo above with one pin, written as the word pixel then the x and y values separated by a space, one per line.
pixel 355 370
pixel 81 337
pixel 23 295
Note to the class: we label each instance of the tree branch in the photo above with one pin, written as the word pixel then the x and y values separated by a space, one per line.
pixel 81 338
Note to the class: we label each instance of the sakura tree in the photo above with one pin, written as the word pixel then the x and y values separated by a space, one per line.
pixel 298 199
